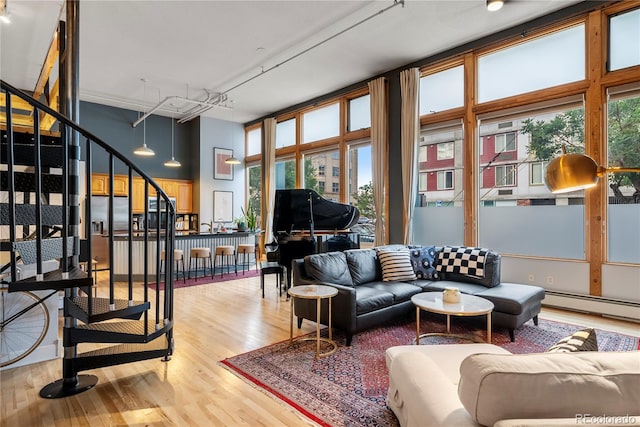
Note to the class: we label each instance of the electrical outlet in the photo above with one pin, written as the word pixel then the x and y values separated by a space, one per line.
pixel 531 278
pixel 549 280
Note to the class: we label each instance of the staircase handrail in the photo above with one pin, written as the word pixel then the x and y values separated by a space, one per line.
pixel 63 119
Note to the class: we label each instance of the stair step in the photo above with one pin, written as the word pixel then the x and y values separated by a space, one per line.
pixel 132 331
pixel 53 280
pixel 78 307
pixel 50 155
pixel 123 353
pixel 26 182
pixel 26 214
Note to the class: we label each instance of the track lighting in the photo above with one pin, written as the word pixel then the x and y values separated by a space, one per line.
pixel 493 5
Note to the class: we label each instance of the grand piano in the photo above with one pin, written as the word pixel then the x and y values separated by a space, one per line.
pixel 305 223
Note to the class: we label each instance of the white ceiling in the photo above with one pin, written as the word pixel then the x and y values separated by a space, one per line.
pixel 183 48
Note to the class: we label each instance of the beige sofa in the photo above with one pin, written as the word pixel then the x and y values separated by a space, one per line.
pixel 485 385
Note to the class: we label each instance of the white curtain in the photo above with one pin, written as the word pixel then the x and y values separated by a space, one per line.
pixel 379 140
pixel 409 134
pixel 268 177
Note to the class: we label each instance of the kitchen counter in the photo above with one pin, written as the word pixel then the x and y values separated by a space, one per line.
pixel 183 240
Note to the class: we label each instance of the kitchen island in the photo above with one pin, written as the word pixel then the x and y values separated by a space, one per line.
pixel 183 241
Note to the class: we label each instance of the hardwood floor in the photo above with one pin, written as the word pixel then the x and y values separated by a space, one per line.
pixel 212 322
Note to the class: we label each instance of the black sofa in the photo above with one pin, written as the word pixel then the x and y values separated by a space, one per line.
pixel 364 300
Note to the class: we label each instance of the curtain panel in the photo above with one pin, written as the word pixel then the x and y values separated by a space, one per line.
pixel 409 134
pixel 379 142
pixel 268 177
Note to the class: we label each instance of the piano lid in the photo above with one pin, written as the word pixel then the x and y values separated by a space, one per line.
pixel 292 212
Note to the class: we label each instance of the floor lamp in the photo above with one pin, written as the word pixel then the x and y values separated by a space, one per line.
pixel 574 171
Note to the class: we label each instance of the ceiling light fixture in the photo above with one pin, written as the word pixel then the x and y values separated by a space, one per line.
pixel 144 151
pixel 173 163
pixel 5 16
pixel 575 171
pixel 493 5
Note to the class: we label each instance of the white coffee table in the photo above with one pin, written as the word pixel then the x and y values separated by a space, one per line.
pixel 468 305
pixel 318 293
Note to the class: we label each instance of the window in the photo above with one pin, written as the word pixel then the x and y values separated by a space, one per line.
pixel 286 133
pixel 255 186
pixel 624 40
pixel 359 113
pixel 285 171
pixel 422 155
pixel 321 123
pixel 445 180
pixel 516 213
pixel 315 166
pixel 445 151
pixel 505 142
pixel 519 69
pixel 360 183
pixel 335 171
pixel 506 175
pixel 537 173
pixel 422 182
pixel 335 187
pixel 442 90
pixel 321 187
pixel 254 141
pixel 623 189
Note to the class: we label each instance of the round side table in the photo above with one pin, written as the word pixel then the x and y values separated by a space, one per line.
pixel 318 293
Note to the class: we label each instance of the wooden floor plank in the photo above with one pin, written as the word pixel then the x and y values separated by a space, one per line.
pixel 212 322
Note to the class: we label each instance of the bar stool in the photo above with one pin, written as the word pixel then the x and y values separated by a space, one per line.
pixel 271 268
pixel 246 250
pixel 200 253
pixel 178 257
pixel 226 252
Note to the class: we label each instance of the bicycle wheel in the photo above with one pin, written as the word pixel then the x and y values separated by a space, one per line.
pixel 20 331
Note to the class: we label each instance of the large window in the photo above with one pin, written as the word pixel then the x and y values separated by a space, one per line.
pixel 254 142
pixel 540 63
pixel 286 133
pixel 321 123
pixel 623 111
pixel 442 90
pixel 285 174
pixel 517 215
pixel 624 40
pixel 254 173
pixel 315 167
pixel 360 113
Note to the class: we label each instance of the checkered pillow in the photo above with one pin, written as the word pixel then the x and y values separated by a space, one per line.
pixel 462 260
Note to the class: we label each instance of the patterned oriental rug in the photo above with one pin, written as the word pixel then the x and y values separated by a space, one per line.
pixel 349 388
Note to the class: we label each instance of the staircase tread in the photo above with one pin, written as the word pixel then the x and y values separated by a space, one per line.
pixel 53 280
pixel 132 327
pixel 155 345
pixel 101 305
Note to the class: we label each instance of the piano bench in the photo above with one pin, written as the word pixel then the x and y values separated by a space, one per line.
pixel 271 268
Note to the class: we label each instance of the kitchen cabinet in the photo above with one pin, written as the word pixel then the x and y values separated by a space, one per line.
pixel 184 197
pixel 100 185
pixel 182 190
pixel 138 200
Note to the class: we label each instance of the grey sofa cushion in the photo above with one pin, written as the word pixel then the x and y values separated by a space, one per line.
pixel 402 291
pixel 330 267
pixel 513 298
pixel 363 265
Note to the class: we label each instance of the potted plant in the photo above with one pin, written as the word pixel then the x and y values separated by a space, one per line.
pixel 240 223
pixel 250 218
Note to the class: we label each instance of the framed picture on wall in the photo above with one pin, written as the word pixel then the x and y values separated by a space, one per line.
pixel 223 206
pixel 222 170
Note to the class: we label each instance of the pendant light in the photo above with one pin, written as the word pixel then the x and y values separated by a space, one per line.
pixel 493 5
pixel 144 151
pixel 232 160
pixel 173 163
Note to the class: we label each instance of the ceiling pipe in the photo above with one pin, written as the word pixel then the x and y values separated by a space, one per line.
pixel 204 104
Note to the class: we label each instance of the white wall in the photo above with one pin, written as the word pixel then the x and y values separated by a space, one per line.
pixel 220 134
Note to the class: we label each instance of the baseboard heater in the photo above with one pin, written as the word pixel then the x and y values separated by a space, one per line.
pixel 627 310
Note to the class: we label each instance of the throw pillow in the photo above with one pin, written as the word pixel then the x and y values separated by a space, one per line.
pixel 462 260
pixel 423 261
pixel 396 266
pixel 583 340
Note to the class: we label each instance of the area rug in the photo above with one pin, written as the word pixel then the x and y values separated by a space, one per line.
pixel 194 281
pixel 349 388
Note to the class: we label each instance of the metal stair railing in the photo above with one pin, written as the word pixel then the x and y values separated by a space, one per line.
pixel 153 242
